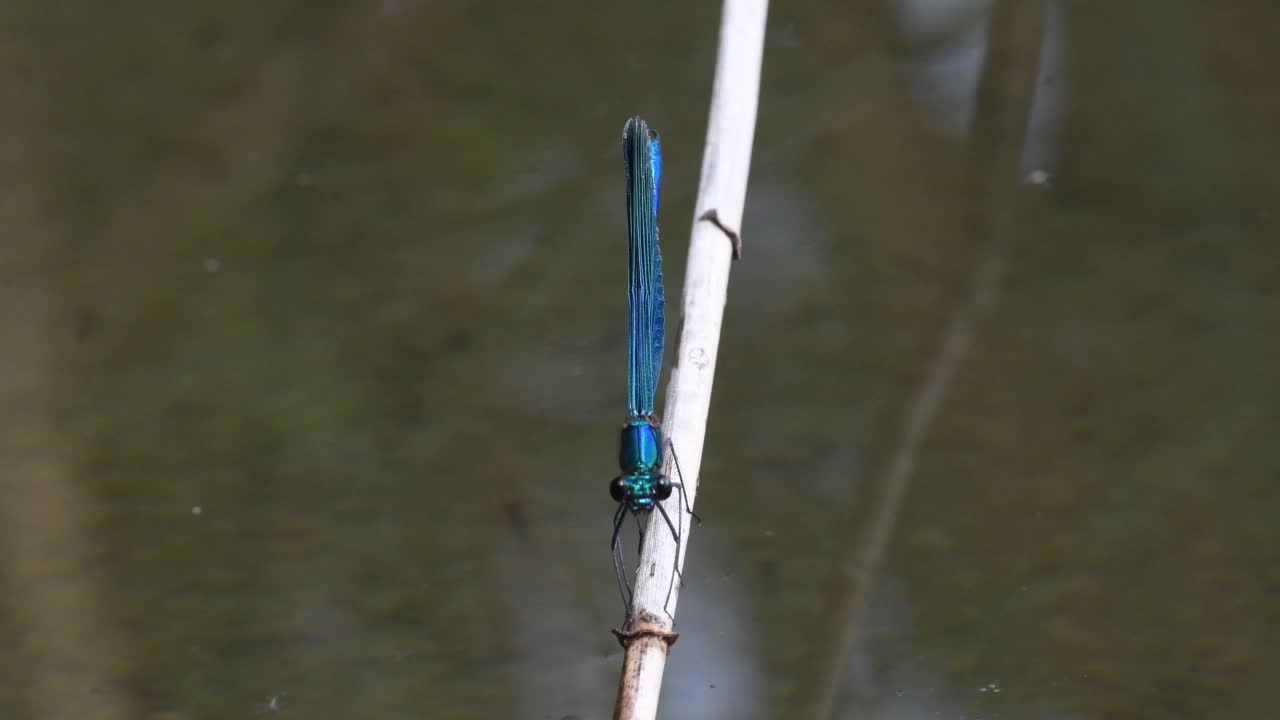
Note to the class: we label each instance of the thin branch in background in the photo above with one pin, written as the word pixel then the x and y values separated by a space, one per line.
pixel 1004 97
pixel 71 657
pixel 715 239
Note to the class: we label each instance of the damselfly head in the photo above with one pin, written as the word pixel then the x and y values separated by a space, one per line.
pixel 620 489
pixel 662 487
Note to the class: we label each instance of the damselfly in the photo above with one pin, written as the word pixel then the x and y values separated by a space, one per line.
pixel 642 487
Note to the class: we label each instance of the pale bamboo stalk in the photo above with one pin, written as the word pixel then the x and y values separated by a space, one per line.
pixel 713 244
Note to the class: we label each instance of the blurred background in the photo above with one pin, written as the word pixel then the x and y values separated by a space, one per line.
pixel 312 352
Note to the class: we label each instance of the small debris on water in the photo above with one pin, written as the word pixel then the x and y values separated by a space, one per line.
pixel 1039 178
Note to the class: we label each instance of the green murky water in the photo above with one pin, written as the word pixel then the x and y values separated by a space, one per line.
pixel 313 354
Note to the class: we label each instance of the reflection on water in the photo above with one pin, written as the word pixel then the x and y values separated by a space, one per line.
pixel 349 281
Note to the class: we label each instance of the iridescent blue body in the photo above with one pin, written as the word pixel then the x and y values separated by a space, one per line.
pixel 641 487
pixel 640 459
pixel 640 451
